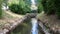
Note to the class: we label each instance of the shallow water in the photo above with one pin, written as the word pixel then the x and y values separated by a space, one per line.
pixel 24 28
pixel 34 26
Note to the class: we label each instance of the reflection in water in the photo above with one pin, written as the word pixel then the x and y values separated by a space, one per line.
pixel 24 28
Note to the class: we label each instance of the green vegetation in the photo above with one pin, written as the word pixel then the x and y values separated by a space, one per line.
pixel 40 6
pixel 1 3
pixel 1 8
pixel 15 8
pixel 51 7
pixel 57 5
pixel 20 8
pixel 23 7
pixel 24 28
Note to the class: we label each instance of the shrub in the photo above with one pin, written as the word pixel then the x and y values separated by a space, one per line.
pixel 57 5
pixel 49 6
pixel 15 8
pixel 18 9
pixel 40 8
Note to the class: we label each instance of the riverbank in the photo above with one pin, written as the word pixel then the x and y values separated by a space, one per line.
pixel 50 21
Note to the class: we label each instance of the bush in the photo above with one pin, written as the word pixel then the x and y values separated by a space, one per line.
pixel 14 8
pixel 57 5
pixel 18 9
pixel 49 6
pixel 40 8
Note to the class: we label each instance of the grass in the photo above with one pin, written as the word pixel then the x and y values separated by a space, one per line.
pixel 13 14
pixel 8 16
